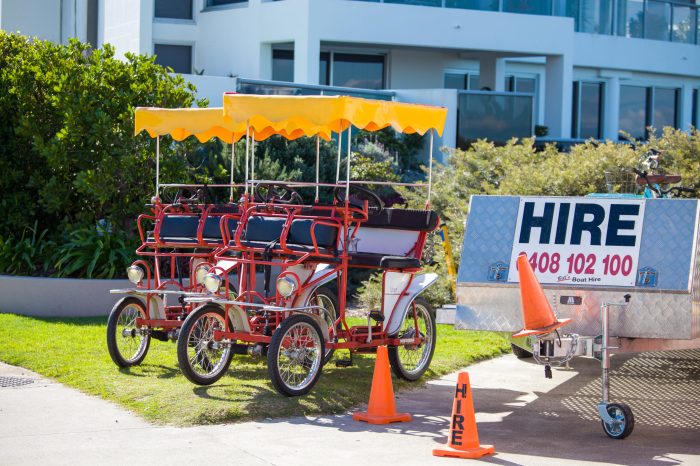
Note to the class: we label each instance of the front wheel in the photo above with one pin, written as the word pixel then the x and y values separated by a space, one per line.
pixel 411 361
pixel 202 359
pixel 127 344
pixel 295 355
pixel 623 421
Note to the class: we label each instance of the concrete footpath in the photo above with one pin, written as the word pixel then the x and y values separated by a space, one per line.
pixel 530 420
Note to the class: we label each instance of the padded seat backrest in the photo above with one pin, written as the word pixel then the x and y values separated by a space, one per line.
pixel 263 229
pixel 212 230
pixel 403 219
pixel 300 233
pixel 179 226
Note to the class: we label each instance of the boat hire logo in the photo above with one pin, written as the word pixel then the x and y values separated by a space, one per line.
pixel 580 241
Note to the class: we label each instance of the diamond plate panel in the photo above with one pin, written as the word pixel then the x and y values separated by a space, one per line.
pixel 648 315
pixel 488 237
pixel 668 241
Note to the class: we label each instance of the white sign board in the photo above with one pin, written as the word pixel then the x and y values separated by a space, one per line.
pixel 582 241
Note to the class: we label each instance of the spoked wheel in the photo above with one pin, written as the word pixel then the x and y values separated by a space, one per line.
pixel 623 421
pixel 202 359
pixel 325 298
pixel 295 355
pixel 411 361
pixel 127 344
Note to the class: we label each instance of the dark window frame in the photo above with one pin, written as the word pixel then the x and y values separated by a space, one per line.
pixel 191 58
pixel 171 18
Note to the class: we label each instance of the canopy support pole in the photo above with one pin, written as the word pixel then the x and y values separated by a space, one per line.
pixel 337 168
pixel 157 168
pixel 233 164
pixel 318 152
pixel 430 171
pixel 347 171
pixel 252 155
pixel 247 143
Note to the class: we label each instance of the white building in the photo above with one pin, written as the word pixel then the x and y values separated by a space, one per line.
pixel 582 68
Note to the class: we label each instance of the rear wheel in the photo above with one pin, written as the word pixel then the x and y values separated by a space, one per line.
pixel 411 361
pixel 326 299
pixel 295 355
pixel 127 344
pixel 202 359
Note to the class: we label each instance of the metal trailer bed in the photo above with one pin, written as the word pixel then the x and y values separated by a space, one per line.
pixel 650 303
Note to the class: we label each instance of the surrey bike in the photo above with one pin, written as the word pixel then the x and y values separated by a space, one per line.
pixel 307 244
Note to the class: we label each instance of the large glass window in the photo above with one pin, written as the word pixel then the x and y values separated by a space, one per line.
pixel 684 27
pixel 283 65
pixel 177 57
pixel 657 20
pixel 358 70
pixel 588 110
pixel 531 7
pixel 633 111
pixel 487 5
pixel 176 9
pixel 595 16
pixel 417 2
pixel 496 117
pixel 462 81
pixel 630 18
pixel 521 84
pixel 223 2
pixel 665 105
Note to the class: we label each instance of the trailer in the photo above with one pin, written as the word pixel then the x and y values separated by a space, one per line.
pixel 624 270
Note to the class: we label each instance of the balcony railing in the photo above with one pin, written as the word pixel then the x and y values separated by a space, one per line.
pixel 669 20
pixel 496 116
pixel 257 86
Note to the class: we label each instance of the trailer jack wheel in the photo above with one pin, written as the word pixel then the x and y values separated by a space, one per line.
pixel 621 421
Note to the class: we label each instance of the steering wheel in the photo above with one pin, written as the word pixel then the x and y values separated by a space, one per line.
pixel 278 193
pixel 358 196
pixel 201 195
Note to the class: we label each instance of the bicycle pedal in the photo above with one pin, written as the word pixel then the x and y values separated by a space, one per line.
pixel 343 362
pixel 377 316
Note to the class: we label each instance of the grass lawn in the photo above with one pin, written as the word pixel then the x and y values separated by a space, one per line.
pixel 74 352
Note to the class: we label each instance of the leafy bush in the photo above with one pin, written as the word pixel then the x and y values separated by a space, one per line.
pixel 94 253
pixel 30 254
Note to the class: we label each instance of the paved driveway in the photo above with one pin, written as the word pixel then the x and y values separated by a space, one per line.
pixel 530 419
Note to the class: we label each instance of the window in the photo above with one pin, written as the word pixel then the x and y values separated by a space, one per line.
pixel 696 116
pixel 356 70
pixel 496 117
pixel 657 20
pixel 177 57
pixel 283 65
pixel 587 118
pixel 630 18
pixel 462 81
pixel 532 7
pixel 684 25
pixel 174 9
pixel 92 13
pixel 665 104
pixel 487 5
pixel 641 107
pixel 223 2
pixel 324 69
pixel 417 2
pixel 633 111
pixel 521 84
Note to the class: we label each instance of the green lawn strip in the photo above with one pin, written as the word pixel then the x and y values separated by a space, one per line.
pixel 74 352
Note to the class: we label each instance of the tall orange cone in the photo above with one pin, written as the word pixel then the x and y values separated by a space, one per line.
pixel 463 440
pixel 538 315
pixel 382 405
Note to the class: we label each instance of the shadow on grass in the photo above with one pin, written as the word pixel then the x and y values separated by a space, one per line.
pixel 86 321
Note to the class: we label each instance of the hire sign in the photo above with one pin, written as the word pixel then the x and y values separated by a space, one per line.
pixel 581 241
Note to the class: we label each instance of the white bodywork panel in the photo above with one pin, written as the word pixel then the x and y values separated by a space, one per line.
pixel 394 285
pixel 156 308
pixel 419 284
pixel 384 241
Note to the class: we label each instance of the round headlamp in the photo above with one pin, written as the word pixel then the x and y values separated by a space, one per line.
pixel 135 274
pixel 286 285
pixel 212 282
pixel 200 272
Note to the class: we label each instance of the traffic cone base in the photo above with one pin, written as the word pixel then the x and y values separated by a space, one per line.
pixel 382 419
pixel 382 405
pixel 472 453
pixel 538 315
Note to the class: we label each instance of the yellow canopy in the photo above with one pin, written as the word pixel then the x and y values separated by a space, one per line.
pixel 297 116
pixel 203 123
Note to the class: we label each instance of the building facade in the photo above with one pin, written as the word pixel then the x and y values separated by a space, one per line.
pixel 576 68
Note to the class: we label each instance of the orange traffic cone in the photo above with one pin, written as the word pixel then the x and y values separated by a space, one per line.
pixel 382 406
pixel 538 315
pixel 463 441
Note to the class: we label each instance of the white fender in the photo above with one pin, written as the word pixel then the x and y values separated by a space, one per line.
pixel 418 285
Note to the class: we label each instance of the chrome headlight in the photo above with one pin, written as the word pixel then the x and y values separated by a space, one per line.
pixel 135 274
pixel 286 285
pixel 201 272
pixel 212 282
